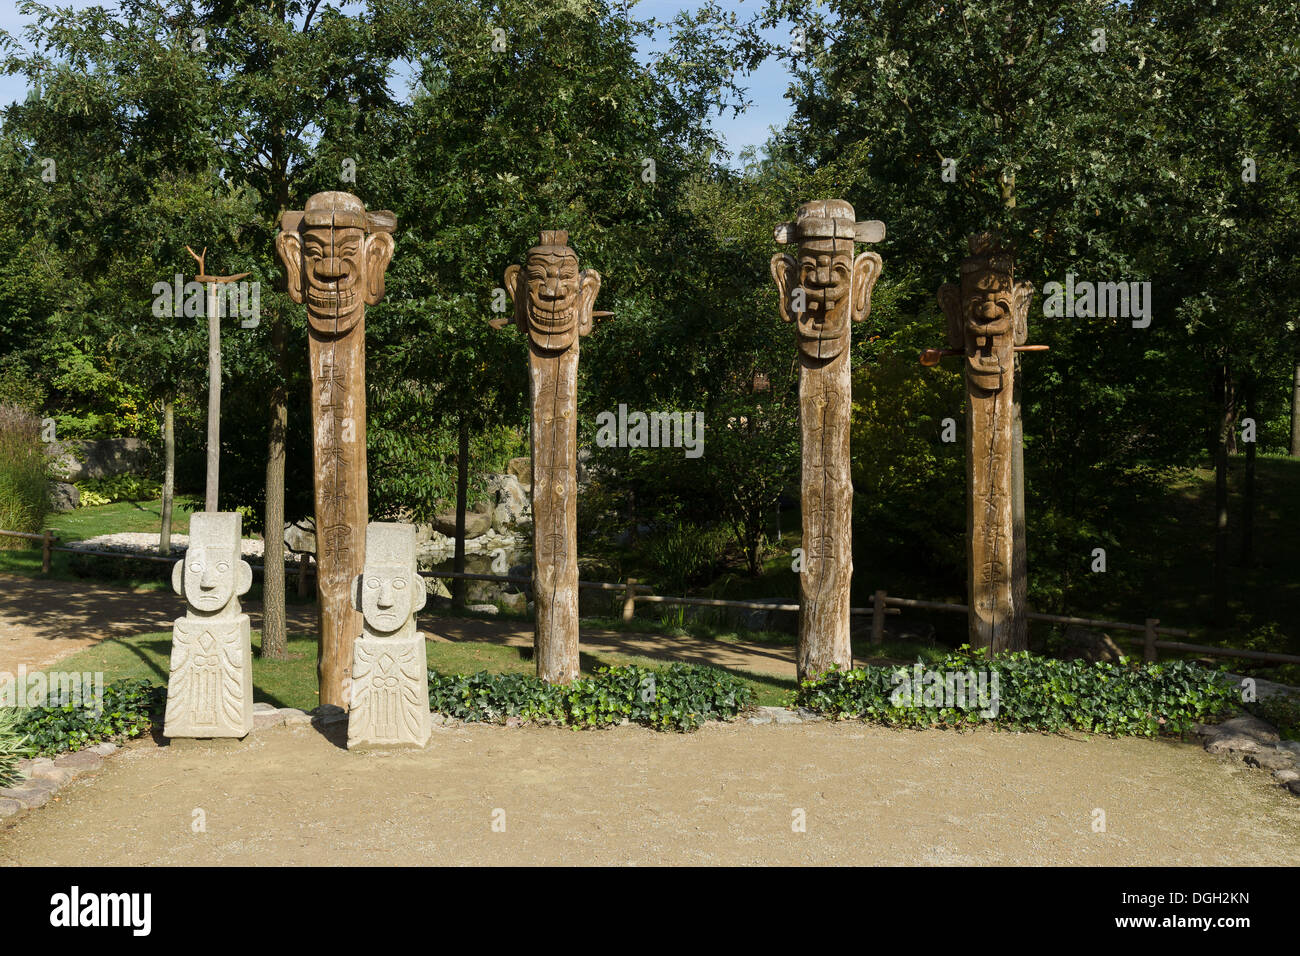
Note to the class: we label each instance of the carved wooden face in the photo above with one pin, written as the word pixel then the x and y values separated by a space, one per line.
pixel 986 317
pixel 336 270
pixel 210 576
pixel 390 594
pixel 833 289
pixel 553 298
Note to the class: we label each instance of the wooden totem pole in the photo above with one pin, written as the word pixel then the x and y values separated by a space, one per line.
pixel 820 292
pixel 987 315
pixel 553 302
pixel 335 254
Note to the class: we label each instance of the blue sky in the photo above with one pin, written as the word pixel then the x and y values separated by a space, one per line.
pixel 766 87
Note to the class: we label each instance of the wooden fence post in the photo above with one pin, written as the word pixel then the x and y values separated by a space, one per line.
pixel 878 619
pixel 302 575
pixel 47 552
pixel 1149 640
pixel 629 600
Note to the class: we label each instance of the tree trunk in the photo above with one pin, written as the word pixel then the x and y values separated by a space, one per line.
pixel 1222 435
pixel 1295 413
pixel 214 398
pixel 462 492
pixel 274 625
pixel 1248 498
pixel 1019 554
pixel 169 476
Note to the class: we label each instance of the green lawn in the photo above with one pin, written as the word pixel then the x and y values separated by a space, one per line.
pixel 293 683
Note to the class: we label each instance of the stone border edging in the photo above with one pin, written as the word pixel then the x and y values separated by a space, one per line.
pixel 45 776
pixel 1258 744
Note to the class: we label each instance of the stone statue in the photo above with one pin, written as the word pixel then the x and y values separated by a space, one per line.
pixel 210 687
pixel 390 668
pixel 987 316
pixel 821 291
pixel 335 254
pixel 554 303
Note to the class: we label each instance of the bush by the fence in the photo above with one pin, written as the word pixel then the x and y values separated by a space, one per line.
pixel 131 706
pixel 106 491
pixel 679 697
pixel 1033 693
pixel 13 746
pixel 24 474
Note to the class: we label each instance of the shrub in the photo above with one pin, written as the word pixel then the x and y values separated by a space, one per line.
pixel 681 552
pixel 1282 711
pixel 13 746
pixel 24 477
pixel 1036 693
pixel 131 706
pixel 106 491
pixel 679 697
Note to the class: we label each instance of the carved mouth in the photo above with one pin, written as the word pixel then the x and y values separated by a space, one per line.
pixel 553 315
pixel 335 302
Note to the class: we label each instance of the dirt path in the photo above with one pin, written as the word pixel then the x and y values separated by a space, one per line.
pixel 727 794
pixel 42 622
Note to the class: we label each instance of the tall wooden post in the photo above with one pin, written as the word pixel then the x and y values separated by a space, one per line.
pixel 335 254
pixel 821 291
pixel 214 284
pixel 554 303
pixel 987 315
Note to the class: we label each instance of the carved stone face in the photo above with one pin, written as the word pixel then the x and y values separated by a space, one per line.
pixel 335 255
pixel 553 298
pixel 388 596
pixel 824 288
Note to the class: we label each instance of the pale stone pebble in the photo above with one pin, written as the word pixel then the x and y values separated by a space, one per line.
pixel 80 761
pixel 9 807
pixel 1286 776
pixel 262 707
pixel 292 715
pixel 263 720
pixel 104 749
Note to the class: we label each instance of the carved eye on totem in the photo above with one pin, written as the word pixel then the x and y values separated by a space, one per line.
pixel 399 583
pixel 223 567
pixel 196 567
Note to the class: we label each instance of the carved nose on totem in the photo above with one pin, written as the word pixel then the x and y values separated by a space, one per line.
pixel 330 268
pixel 385 594
pixel 208 579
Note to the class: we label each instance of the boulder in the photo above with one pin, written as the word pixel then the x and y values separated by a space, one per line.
pixel 511 504
pixel 476 523
pixel 79 460
pixel 64 496
pixel 1090 645
pixel 301 536
pixel 521 469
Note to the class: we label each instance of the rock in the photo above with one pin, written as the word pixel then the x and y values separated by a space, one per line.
pixel 521 469
pixel 327 710
pixel 483 608
pixel 292 716
pixel 1286 776
pixel 476 523
pixel 511 505
pixel 1258 730
pixel 79 460
pixel 8 807
pixel 262 707
pixel 80 761
pixel 1091 645
pixel 1231 743
pixel 301 536
pixel 1294 787
pixel 57 776
pixel 1291 746
pixel 103 749
pixel 777 715
pixel 513 721
pixel 1270 761
pixel 515 603
pixel 809 715
pixel 265 719
pixel 33 793
pixel 64 497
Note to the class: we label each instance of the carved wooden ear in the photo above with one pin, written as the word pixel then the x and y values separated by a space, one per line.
pixel 950 302
pixel 355 592
pixel 178 577
pixel 515 286
pixel 785 271
pixel 288 246
pixel 1022 295
pixel 379 252
pixel 421 596
pixel 587 290
pixel 866 270
pixel 245 579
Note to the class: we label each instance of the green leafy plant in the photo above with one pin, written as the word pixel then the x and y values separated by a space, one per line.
pixel 1282 711
pixel 24 481
pixel 13 746
pixel 130 707
pixel 106 491
pixel 1035 693
pixel 679 697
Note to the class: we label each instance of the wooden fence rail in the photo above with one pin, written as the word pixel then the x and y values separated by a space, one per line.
pixel 882 603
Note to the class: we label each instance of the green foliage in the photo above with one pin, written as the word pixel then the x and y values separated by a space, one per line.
pixel 679 697
pixel 1037 693
pixel 131 706
pixel 682 552
pixel 13 746
pixel 1282 711
pixel 24 479
pixel 107 491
